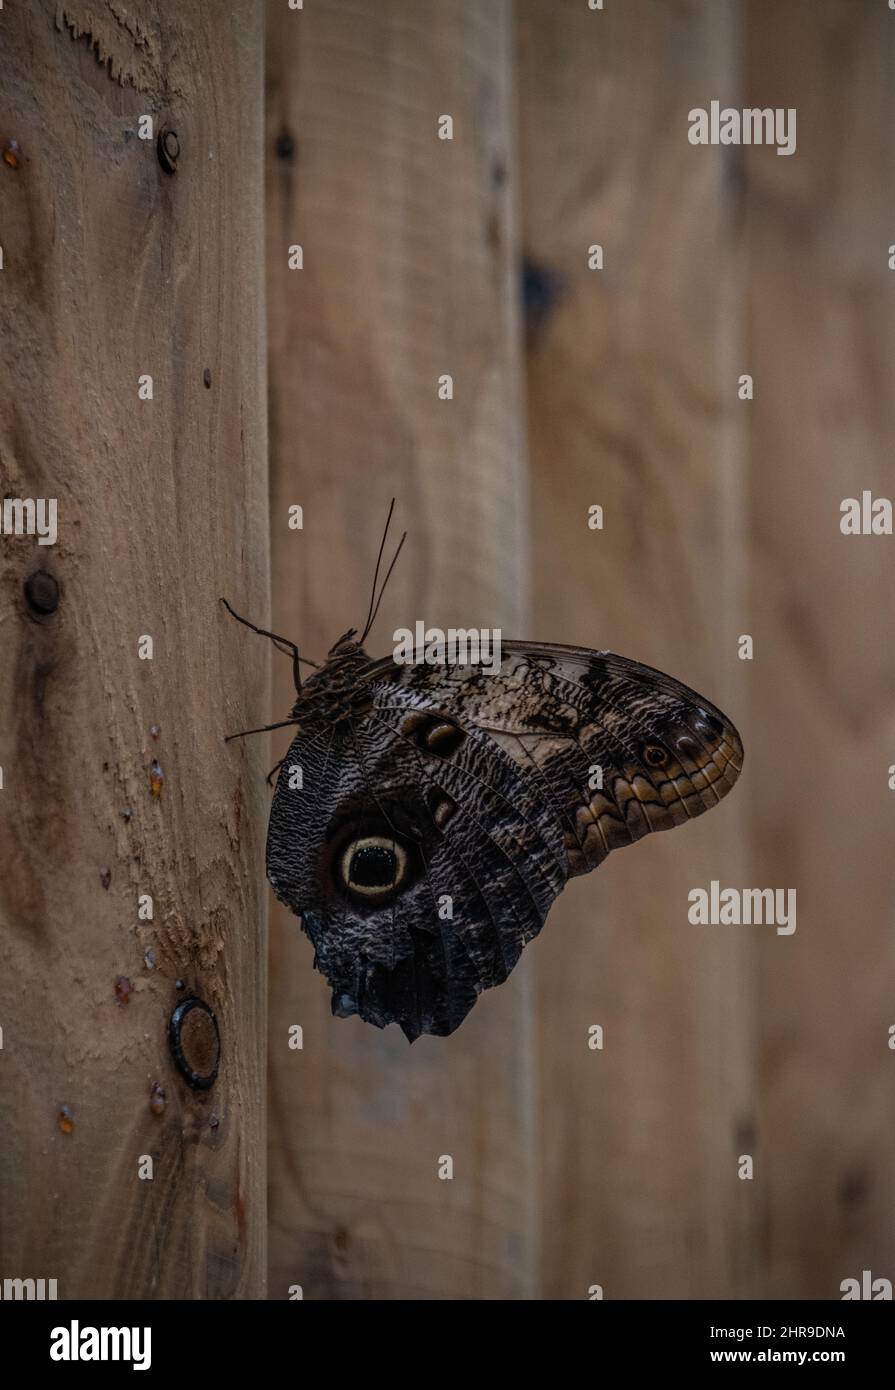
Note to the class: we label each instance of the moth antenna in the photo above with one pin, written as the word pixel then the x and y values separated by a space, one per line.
pixel 382 590
pixel 388 519
pixel 282 644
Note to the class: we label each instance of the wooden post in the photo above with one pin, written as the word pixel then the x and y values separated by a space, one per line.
pixel 632 389
pixel 132 382
pixel 407 248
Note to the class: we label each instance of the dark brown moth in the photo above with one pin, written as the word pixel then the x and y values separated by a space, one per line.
pixel 441 810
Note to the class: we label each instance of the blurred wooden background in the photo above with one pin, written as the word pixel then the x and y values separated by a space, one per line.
pixel 618 1167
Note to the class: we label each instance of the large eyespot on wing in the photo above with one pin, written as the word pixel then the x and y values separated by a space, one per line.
pixel 372 867
pixel 374 848
pixel 350 850
pixel 372 914
pixel 435 865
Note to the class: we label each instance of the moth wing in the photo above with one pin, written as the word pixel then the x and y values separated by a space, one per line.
pixel 617 748
pixel 489 790
pixel 478 860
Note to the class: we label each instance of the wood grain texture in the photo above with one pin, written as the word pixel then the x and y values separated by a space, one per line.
pixel 408 274
pixel 632 391
pixel 821 334
pixel 113 269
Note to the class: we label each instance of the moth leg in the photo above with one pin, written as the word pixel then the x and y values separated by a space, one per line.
pixel 265 729
pixel 276 767
pixel 282 644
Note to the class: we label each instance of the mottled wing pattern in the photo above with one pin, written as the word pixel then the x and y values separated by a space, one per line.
pixel 436 825
pixel 617 748
pixel 478 860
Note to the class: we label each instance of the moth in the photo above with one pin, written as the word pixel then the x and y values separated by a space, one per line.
pixel 438 811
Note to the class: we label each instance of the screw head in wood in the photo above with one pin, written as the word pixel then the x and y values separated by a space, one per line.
pixel 195 1043
pixel 168 146
pixel 42 592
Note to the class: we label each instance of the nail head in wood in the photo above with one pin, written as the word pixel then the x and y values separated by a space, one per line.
pixel 168 146
pixel 195 1043
pixel 42 592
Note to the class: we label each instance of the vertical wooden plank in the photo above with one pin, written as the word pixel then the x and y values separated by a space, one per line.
pixel 407 274
pixel 632 390
pixel 114 269
pixel 819 230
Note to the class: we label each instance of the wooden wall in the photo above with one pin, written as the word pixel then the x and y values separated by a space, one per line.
pixel 721 519
pixel 571 387
pixel 114 269
pixel 409 258
pixel 632 405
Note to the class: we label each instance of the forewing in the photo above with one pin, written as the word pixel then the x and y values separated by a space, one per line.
pixel 616 748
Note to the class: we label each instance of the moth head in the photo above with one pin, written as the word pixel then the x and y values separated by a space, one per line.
pixel 345 644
